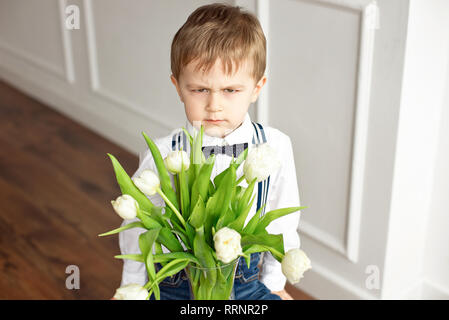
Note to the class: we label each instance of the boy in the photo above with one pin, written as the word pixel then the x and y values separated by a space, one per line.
pixel 218 60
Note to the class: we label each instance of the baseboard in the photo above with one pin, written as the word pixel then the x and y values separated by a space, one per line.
pixel 323 284
pixel 433 291
pixel 120 126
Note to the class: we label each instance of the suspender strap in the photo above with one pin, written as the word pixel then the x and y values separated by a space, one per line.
pixel 263 186
pixel 179 140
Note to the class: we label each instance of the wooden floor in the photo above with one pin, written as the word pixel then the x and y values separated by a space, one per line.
pixel 56 183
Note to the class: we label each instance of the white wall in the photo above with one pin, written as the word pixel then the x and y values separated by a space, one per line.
pixel 111 75
pixel 415 212
pixel 367 110
pixel 436 254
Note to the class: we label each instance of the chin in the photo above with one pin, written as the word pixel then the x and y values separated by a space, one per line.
pixel 214 131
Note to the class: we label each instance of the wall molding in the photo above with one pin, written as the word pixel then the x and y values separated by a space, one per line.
pixel 16 53
pixel 368 11
pixel 95 85
pixel 67 73
pixel 324 284
pixel 66 44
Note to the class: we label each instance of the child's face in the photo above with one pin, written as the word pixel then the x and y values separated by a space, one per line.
pixel 217 101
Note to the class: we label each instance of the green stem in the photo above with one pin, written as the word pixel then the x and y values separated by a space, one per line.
pixel 240 180
pixel 176 180
pixel 171 206
pixel 147 285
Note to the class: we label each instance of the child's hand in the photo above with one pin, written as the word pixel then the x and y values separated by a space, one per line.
pixel 283 294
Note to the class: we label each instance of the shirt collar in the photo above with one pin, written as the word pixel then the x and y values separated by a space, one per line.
pixel 243 133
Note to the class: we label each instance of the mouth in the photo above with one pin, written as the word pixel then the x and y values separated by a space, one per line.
pixel 213 121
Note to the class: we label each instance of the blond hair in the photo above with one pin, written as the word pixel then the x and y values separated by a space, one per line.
pixel 222 31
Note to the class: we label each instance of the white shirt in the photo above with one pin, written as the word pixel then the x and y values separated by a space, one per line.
pixel 283 192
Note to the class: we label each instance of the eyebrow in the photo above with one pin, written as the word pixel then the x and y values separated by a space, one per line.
pixel 193 85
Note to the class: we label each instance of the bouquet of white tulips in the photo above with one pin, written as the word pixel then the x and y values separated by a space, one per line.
pixel 203 222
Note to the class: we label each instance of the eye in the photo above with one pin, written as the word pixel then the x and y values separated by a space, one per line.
pixel 198 90
pixel 232 90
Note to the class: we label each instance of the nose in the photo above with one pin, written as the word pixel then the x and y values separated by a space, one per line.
pixel 213 103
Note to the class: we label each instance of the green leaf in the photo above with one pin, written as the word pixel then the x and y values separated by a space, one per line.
pixel 268 242
pixel 219 177
pixel 164 257
pixel 183 237
pixel 239 191
pixel 169 240
pixel 146 241
pixel 156 215
pixel 204 254
pixel 242 157
pixel 188 136
pixel 201 184
pixel 238 223
pixel 135 257
pixel 190 231
pixel 164 176
pixel 171 268
pixel 225 219
pixel 243 203
pixel 148 220
pixel 131 225
pixel 198 216
pixel 235 165
pixel 252 224
pixel 127 185
pixel 158 250
pixel 211 189
pixel 221 202
pixel 273 215
pixel 197 158
pixel 184 193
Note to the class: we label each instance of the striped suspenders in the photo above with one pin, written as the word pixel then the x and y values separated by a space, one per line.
pixel 262 186
pixel 179 140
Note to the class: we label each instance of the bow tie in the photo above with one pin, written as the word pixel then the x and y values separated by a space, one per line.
pixel 232 150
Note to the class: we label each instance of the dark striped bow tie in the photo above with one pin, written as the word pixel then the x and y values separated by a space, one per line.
pixel 232 150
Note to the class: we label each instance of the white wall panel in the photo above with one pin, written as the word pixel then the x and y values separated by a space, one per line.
pixel 31 32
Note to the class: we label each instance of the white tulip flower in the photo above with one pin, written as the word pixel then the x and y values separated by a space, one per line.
pixel 131 291
pixel 227 244
pixel 125 206
pixel 261 162
pixel 294 264
pixel 148 182
pixel 175 160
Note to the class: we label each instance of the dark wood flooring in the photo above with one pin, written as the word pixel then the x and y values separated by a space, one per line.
pixel 56 183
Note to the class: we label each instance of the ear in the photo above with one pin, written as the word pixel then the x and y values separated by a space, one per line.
pixel 257 88
pixel 175 82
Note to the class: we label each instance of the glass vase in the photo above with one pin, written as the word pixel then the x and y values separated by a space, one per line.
pixel 212 283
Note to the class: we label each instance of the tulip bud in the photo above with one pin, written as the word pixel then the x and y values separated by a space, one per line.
pixel 131 291
pixel 125 206
pixel 227 244
pixel 147 182
pixel 294 264
pixel 261 162
pixel 175 160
